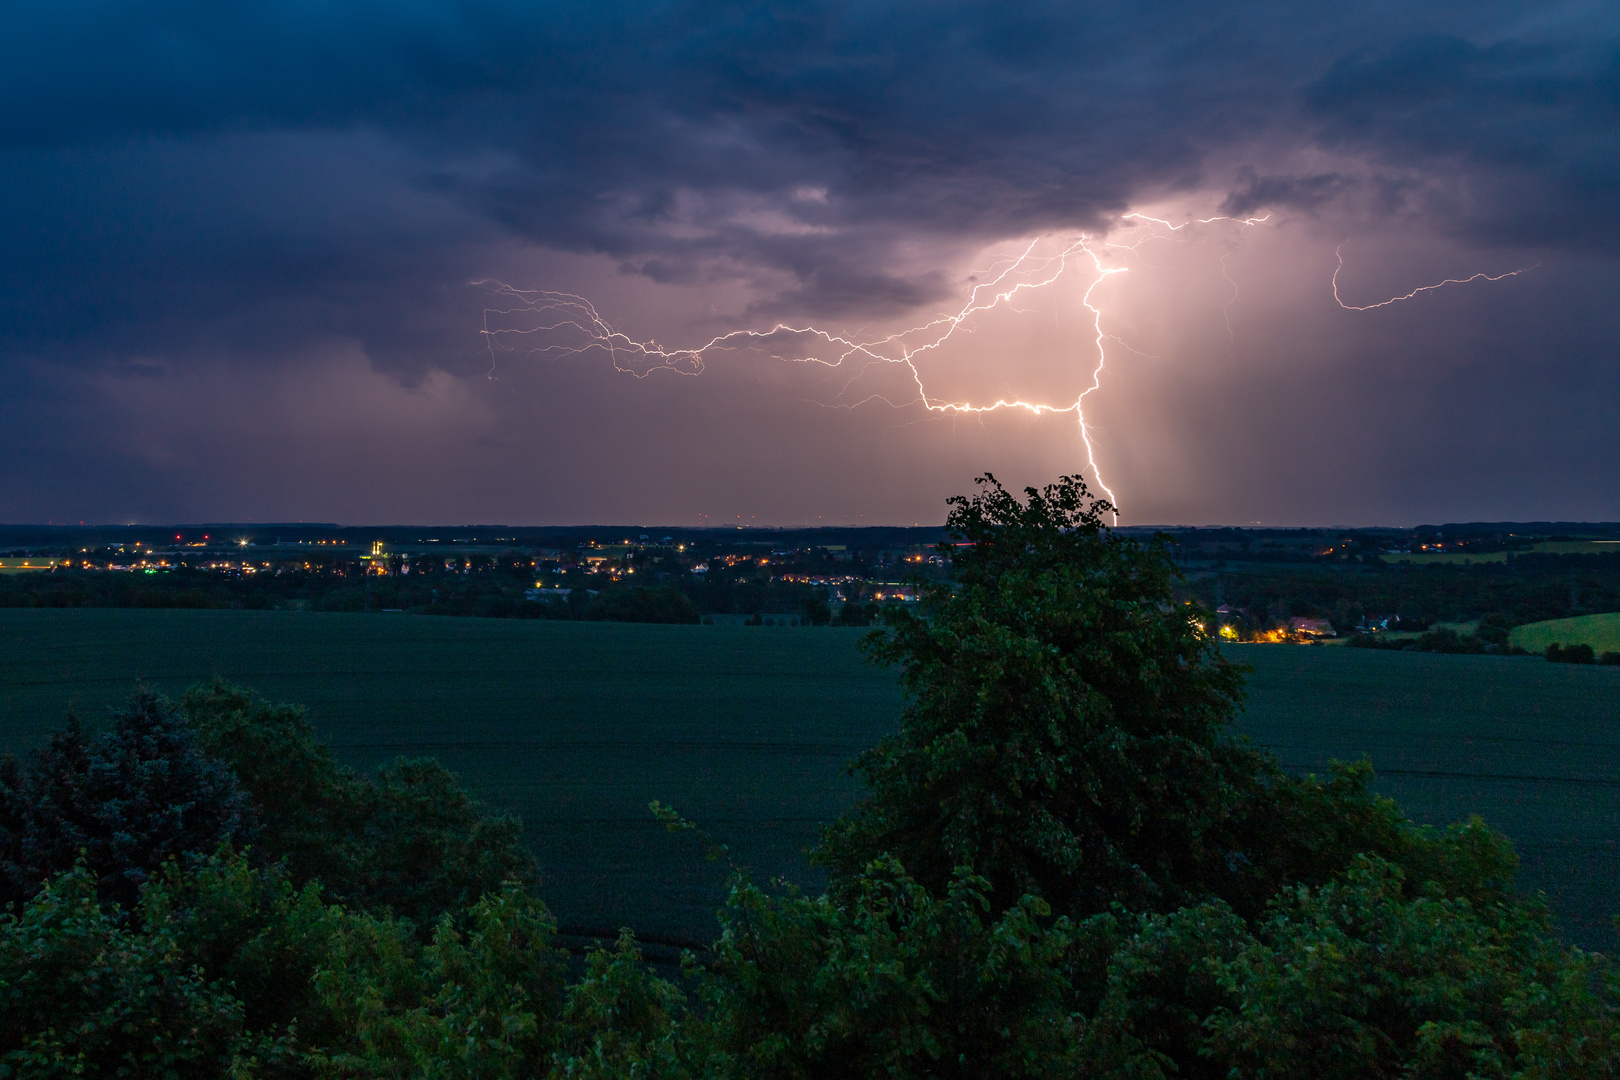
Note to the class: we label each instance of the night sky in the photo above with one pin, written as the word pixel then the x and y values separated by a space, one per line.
pixel 304 261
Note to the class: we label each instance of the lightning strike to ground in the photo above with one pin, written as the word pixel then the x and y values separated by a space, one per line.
pixel 575 316
pixel 1028 271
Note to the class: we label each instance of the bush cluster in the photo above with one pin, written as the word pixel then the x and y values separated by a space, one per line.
pixel 123 803
pixel 1066 865
pixel 1579 654
pixel 1487 639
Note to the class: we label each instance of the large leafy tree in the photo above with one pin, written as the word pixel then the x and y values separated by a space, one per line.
pixel 1067 731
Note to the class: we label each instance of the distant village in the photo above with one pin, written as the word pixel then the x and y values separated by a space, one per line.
pixel 1257 584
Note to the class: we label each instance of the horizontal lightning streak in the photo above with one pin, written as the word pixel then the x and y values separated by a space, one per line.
pixel 1338 253
pixel 567 311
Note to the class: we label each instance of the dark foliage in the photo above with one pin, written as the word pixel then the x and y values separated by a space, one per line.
pixel 858 614
pixel 1526 589
pixel 1444 640
pixel 125 801
pixel 1067 733
pixel 229 971
pixel 249 930
pixel 817 612
pixel 82 994
pixel 1571 654
pixel 409 840
pixel 634 604
pixel 1493 628
pixel 426 846
pixel 225 970
pixel 310 808
pixel 889 979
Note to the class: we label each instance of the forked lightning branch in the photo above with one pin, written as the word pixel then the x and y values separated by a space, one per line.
pixel 547 324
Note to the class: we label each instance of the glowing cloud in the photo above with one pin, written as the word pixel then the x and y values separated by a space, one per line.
pixel 549 324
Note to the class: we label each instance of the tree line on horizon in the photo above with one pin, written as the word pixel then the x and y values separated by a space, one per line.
pixel 487 587
pixel 1360 597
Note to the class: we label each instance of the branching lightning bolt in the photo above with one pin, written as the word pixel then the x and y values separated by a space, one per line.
pixel 1226 272
pixel 1338 253
pixel 566 312
pixel 577 319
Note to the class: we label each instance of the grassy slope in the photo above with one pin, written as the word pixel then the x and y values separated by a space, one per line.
pixel 1602 632
pixel 577 726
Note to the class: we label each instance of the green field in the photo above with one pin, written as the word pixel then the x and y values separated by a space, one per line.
pixel 1528 745
pixel 1467 558
pixel 26 566
pixel 1577 547
pixel 1602 632
pixel 577 725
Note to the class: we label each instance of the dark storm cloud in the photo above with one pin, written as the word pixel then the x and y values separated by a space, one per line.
pixel 637 131
pixel 1533 124
pixel 1255 192
pixel 218 184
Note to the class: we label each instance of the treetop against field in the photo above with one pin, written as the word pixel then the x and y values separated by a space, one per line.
pixel 1067 865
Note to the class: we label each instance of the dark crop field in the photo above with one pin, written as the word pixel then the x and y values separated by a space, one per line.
pixel 577 725
pixel 1532 747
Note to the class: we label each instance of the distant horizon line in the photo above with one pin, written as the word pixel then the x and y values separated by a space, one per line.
pixel 670 528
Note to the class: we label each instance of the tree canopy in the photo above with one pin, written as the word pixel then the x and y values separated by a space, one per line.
pixel 124 802
pixel 1067 733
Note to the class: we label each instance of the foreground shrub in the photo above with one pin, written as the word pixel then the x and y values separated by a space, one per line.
pixel 225 967
pixel 124 801
pixel 1363 978
pixel 883 978
pixel 484 1003
pixel 227 970
pixel 621 1020
pixel 410 840
pixel 247 930
pixel 83 995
